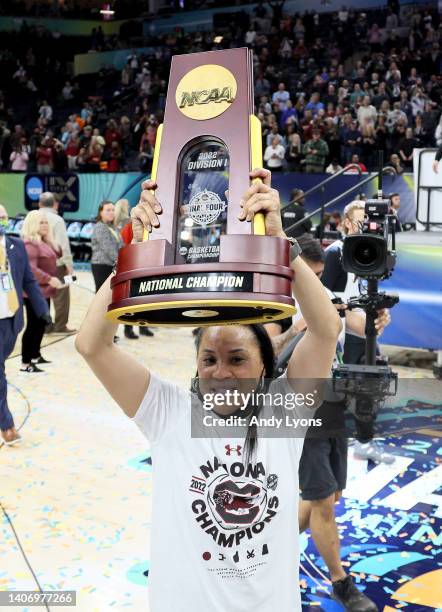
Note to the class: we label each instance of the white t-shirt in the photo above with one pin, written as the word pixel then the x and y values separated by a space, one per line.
pixel 224 532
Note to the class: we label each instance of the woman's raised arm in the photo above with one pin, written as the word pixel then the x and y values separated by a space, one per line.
pixel 124 378
pixel 313 356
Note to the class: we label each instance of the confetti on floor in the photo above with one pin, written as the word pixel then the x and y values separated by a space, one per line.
pixel 78 492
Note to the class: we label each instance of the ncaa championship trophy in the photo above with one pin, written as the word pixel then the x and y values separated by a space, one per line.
pixel 203 266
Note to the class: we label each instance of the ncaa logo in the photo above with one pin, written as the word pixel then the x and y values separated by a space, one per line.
pixel 205 207
pixel 34 188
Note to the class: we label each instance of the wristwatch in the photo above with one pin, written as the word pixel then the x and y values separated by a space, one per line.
pixel 295 249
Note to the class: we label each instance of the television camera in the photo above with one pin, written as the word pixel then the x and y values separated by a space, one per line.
pixel 371 255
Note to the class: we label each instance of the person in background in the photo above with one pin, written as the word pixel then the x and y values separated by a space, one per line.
pixel 93 157
pixel 65 265
pixel 323 464
pixel 346 285
pixel 44 155
pixel 145 157
pixel 274 155
pixel 355 162
pixel 334 277
pixel 282 96
pixel 294 212
pixel 123 224
pixel 336 221
pixel 333 167
pixel 16 277
pixel 72 151
pixel 121 219
pixel 19 158
pixel 315 151
pixel 395 163
pixel 437 159
pixel 105 243
pixel 115 157
pixel 395 203
pixel 437 132
pixel 406 148
pixel 59 159
pixel 293 153
pixel 42 253
pixel 326 225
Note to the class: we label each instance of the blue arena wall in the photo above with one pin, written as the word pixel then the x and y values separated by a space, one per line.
pixel 417 277
pixel 93 188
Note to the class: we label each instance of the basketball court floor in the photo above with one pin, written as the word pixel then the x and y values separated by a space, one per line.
pixel 75 495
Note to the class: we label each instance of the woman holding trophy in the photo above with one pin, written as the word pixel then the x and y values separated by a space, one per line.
pixel 224 510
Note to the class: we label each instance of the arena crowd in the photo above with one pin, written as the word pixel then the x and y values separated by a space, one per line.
pixel 330 89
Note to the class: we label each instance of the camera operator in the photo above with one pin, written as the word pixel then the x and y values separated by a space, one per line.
pixel 323 465
pixel 345 285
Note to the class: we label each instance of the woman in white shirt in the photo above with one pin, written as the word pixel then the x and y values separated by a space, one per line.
pixel 224 510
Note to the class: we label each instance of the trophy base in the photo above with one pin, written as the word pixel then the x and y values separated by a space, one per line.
pixel 202 312
pixel 250 284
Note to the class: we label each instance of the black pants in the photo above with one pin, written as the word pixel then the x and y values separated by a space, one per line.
pixel 33 334
pixel 100 273
pixel 354 349
pixel 354 352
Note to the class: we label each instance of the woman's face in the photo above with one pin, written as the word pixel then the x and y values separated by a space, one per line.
pixel 108 213
pixel 229 358
pixel 43 227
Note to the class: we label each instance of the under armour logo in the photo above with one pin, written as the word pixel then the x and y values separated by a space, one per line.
pixel 233 449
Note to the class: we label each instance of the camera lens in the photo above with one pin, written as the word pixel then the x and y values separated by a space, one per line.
pixel 365 253
pixel 367 256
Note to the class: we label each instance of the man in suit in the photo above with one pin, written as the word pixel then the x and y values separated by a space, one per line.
pixel 15 278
